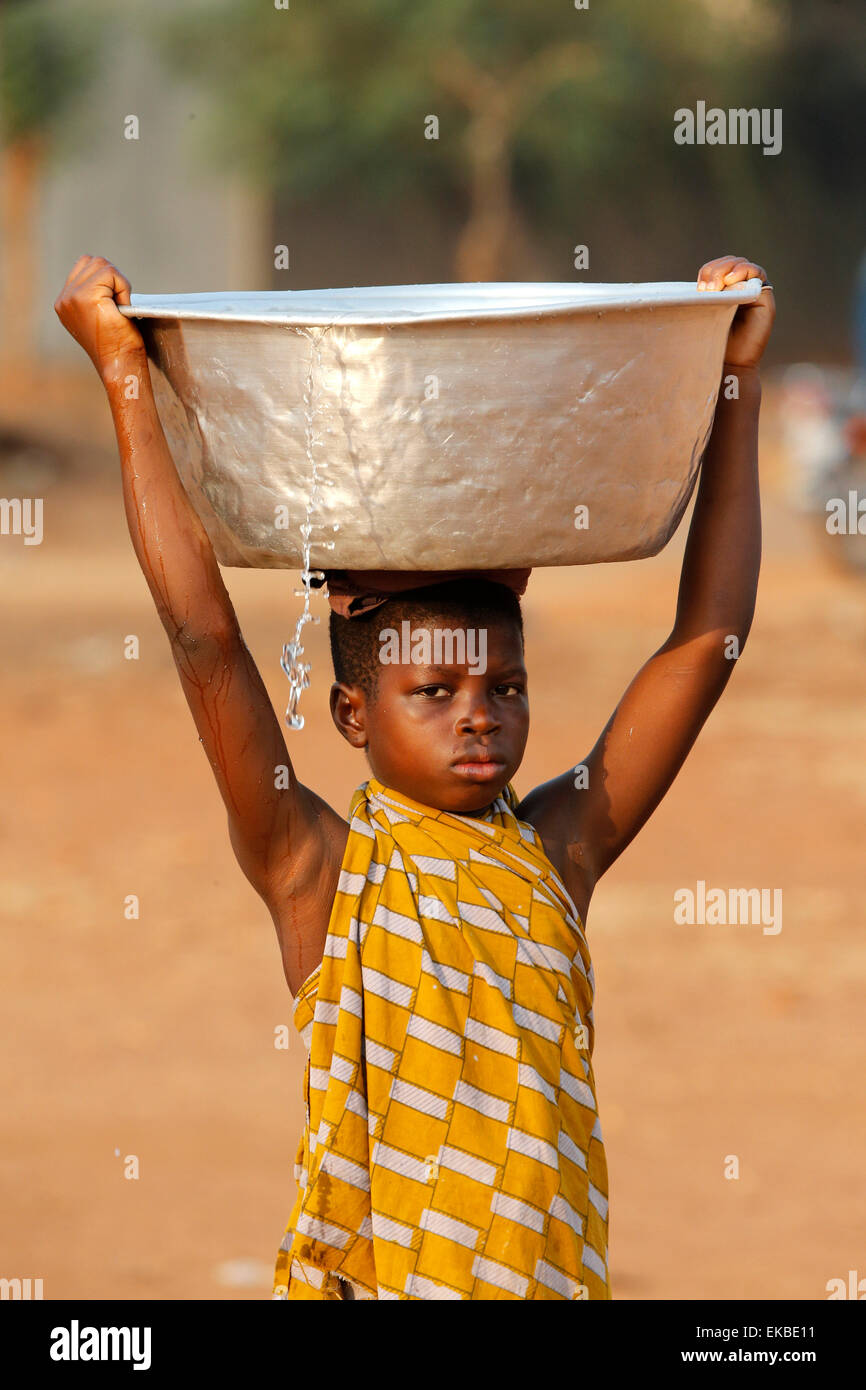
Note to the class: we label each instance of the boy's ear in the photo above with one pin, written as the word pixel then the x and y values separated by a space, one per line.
pixel 348 711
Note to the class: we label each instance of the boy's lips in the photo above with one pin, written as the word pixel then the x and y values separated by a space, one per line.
pixel 480 766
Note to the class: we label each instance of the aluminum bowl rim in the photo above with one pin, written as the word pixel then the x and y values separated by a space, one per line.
pixel 566 299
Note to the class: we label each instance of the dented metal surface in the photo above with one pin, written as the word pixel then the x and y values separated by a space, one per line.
pixel 453 426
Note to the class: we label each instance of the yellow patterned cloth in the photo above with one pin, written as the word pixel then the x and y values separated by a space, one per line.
pixel 452 1146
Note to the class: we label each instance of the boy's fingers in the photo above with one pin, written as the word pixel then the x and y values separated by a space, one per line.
pixel 116 282
pixel 718 261
pixel 88 272
pixel 728 270
pixel 123 288
pixel 736 276
pixel 107 276
pixel 79 271
pixel 710 275
pixel 745 270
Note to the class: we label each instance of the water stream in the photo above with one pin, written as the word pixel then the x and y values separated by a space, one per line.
pixel 297 670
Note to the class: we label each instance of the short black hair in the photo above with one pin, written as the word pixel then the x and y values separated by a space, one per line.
pixel 355 643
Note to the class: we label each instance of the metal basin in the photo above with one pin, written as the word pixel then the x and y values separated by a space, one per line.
pixel 461 426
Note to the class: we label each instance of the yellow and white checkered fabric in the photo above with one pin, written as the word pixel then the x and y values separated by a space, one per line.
pixel 452 1147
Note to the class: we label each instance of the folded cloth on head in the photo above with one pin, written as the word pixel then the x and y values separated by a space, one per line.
pixel 452 1146
pixel 351 592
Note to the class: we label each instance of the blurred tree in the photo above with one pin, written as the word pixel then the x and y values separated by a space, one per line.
pixel 498 106
pixel 47 54
pixel 553 126
pixel 815 195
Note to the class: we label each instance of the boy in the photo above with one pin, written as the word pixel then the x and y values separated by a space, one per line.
pixel 435 944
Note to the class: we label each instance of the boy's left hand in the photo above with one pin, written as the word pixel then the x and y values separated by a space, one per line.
pixel 752 323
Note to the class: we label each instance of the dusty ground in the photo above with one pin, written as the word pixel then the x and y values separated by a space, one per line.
pixel 154 1037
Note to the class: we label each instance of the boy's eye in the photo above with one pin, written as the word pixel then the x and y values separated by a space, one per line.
pixel 438 692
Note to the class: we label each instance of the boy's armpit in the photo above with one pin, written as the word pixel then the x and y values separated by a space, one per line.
pixel 594 810
pixel 303 884
pixel 307 845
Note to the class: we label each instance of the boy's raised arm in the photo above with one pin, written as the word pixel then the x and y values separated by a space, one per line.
pixel 231 708
pixel 647 738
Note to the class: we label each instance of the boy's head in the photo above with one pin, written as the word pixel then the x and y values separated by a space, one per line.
pixel 432 685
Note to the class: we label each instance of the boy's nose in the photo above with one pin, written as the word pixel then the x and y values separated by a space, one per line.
pixel 478 717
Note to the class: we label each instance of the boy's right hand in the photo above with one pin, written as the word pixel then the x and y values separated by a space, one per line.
pixel 87 308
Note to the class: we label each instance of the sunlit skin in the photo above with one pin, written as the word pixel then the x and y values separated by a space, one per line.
pixel 443 735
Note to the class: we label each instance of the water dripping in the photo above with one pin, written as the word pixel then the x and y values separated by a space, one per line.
pixel 297 670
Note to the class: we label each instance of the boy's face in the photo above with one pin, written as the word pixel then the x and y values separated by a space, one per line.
pixel 447 733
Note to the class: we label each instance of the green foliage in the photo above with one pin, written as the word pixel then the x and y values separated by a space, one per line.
pixel 338 92
pixel 47 54
pixel 328 99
